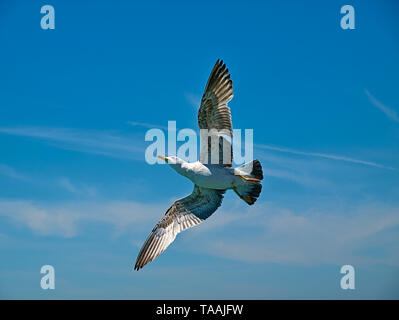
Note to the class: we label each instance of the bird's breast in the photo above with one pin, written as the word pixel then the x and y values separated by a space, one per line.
pixel 212 177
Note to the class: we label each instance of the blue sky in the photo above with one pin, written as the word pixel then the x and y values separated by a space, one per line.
pixel 76 193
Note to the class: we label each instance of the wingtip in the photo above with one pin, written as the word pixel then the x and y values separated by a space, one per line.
pixel 219 63
pixel 140 264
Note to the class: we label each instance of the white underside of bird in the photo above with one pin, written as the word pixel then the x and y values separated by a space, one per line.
pixel 210 176
pixel 210 180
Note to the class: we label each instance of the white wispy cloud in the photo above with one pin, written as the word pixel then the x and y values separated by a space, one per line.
pixel 66 184
pixel 147 125
pixel 390 113
pixel 264 233
pixel 324 155
pixel 65 219
pixel 268 233
pixel 89 141
pixel 194 100
pixel 10 172
pixel 295 176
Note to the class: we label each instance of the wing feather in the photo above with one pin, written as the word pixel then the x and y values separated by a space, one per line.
pixel 214 113
pixel 183 214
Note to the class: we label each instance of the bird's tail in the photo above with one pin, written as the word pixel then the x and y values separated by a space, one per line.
pixel 250 188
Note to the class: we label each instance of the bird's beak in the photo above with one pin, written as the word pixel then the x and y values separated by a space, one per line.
pixel 162 157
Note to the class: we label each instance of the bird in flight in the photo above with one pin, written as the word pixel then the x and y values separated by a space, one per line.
pixel 211 180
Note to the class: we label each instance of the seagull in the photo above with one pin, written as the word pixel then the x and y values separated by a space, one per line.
pixel 211 180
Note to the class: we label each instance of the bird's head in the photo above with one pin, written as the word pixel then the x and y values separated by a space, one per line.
pixel 176 163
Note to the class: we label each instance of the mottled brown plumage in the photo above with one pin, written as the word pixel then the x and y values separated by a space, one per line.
pixel 214 113
pixel 183 214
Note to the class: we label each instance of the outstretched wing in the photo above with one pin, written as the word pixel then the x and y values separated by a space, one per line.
pixel 183 214
pixel 214 113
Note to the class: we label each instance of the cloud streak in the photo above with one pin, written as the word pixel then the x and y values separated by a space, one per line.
pixel 194 100
pixel 65 219
pixel 390 113
pixel 146 125
pixel 11 173
pixel 84 190
pixel 88 141
pixel 325 156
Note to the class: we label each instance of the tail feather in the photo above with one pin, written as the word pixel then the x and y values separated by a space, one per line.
pixel 251 169
pixel 249 192
pixel 250 188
